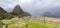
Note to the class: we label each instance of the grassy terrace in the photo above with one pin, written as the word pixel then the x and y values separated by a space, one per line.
pixel 30 23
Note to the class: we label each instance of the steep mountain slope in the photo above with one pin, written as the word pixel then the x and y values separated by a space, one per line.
pixel 18 11
pixel 4 14
pixel 2 10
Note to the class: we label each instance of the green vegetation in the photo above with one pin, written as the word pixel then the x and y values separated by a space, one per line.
pixel 6 16
pixel 33 22
pixel 15 23
pixel 16 19
pixel 17 11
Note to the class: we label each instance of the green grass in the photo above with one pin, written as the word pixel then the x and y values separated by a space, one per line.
pixel 36 25
pixel 22 24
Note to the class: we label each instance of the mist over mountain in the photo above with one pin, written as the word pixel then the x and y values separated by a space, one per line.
pixel 9 9
pixel 35 7
pixel 40 12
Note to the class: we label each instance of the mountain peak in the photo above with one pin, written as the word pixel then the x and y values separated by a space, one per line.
pixel 17 10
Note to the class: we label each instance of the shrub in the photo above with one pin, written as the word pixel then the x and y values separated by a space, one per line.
pixel 6 16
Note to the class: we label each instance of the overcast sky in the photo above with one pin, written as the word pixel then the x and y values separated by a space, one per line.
pixel 32 6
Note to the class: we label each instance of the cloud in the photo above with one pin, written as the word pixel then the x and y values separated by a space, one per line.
pixel 31 4
pixel 35 4
pixel 35 7
pixel 7 3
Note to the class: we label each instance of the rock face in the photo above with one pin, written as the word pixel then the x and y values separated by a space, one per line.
pixel 17 10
